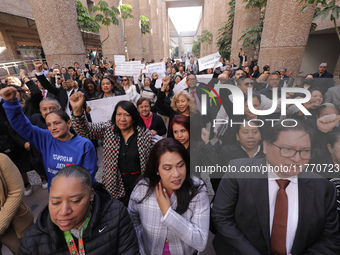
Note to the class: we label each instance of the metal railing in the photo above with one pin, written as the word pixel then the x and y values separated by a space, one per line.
pixel 17 65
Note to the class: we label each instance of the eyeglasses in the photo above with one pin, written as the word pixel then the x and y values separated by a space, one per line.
pixel 289 152
pixel 124 79
pixel 249 83
pixel 58 78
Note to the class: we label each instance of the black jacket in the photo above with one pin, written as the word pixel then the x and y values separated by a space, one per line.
pixel 110 231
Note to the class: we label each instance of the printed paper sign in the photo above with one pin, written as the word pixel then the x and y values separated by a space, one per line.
pixel 210 61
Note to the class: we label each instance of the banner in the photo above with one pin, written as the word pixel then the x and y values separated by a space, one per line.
pixel 210 61
pixel 102 109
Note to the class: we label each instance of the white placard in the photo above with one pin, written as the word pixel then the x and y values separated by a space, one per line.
pixel 119 59
pixel 210 61
pixel 204 78
pixel 158 84
pixel 158 68
pixel 131 68
pixel 181 85
pixel 102 109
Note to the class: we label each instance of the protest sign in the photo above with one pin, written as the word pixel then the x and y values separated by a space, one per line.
pixel 119 59
pixel 204 78
pixel 102 109
pixel 157 68
pixel 158 84
pixel 131 68
pixel 181 85
pixel 210 61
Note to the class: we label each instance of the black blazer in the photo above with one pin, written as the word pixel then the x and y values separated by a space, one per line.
pixel 157 124
pixel 241 214
pixel 60 93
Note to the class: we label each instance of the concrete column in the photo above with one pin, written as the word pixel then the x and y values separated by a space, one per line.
pixel 114 44
pixel 84 2
pixel 337 68
pixel 179 45
pixel 59 34
pixel 243 19
pixel 165 31
pixel 146 38
pixel 205 19
pixel 133 33
pixel 155 30
pixel 210 24
pixel 8 47
pixel 285 35
pixel 221 9
pixel 160 29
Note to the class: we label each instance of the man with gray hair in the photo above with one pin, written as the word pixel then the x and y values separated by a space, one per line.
pixel 323 79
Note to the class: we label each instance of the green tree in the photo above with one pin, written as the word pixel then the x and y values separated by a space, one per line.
pixel 106 16
pixel 324 9
pixel 145 24
pixel 206 37
pixel 85 21
pixel 252 35
pixel 126 10
pixel 196 47
pixel 225 33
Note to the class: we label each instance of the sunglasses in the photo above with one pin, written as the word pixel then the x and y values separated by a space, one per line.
pixel 124 79
pixel 249 83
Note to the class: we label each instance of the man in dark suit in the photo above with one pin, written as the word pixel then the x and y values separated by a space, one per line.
pixel 62 93
pixel 245 210
pixel 323 79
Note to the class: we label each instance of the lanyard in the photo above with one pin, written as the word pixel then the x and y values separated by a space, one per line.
pixel 70 242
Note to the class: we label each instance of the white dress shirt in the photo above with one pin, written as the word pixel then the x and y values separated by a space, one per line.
pixel 292 192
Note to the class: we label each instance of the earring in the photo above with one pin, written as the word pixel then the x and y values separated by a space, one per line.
pixel 157 173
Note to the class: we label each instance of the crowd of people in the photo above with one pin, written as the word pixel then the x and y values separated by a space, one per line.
pixel 158 193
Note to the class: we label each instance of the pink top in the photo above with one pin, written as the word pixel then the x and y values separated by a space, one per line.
pixel 147 121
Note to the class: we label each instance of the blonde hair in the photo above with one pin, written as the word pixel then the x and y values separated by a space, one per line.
pixel 192 106
pixel 129 82
pixel 13 78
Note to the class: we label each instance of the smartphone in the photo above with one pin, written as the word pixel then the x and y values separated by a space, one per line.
pixel 56 71
pixel 67 76
pixel 166 73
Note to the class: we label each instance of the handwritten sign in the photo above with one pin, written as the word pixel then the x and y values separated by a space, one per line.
pixel 119 59
pixel 157 68
pixel 131 68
